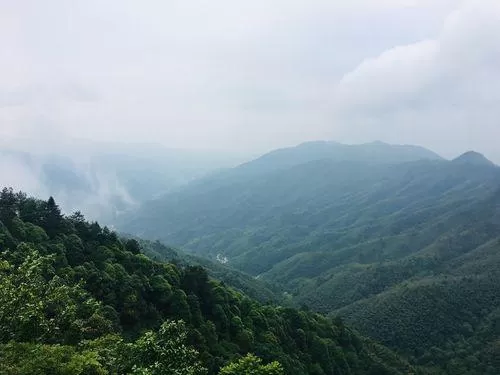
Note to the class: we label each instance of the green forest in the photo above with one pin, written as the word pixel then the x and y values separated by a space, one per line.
pixel 76 298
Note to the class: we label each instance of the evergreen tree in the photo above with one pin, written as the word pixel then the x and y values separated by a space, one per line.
pixel 53 217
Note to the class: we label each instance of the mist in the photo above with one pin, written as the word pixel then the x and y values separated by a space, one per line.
pixel 251 77
pixel 103 180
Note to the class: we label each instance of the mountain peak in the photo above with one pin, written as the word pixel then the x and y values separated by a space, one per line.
pixel 473 157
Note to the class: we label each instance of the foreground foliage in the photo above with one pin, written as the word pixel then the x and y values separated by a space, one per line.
pixel 251 365
pixel 75 299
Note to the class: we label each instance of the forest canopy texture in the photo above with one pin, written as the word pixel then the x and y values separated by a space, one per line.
pixel 77 299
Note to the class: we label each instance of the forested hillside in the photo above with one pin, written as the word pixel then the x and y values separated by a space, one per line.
pixel 250 286
pixel 376 240
pixel 76 299
pixel 278 199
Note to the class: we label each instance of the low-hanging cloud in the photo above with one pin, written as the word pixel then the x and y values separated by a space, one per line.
pixel 20 176
pixel 93 191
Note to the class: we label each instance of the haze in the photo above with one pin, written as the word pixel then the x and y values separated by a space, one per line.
pixel 251 76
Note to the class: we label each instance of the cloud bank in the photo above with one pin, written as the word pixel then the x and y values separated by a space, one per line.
pixel 251 75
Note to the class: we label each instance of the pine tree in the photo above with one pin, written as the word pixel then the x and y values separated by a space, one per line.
pixel 53 218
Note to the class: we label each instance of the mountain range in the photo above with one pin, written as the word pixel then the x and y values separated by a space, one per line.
pixel 401 243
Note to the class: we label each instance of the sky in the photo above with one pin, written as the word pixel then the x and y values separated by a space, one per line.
pixel 250 76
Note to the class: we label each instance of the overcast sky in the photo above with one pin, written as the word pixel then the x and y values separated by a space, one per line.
pixel 252 75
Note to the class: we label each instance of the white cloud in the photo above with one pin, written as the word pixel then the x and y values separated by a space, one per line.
pixel 441 92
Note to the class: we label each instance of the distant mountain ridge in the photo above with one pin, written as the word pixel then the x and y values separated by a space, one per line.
pixel 375 152
pixel 283 165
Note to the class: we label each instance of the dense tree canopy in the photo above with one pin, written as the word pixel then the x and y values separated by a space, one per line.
pixel 76 299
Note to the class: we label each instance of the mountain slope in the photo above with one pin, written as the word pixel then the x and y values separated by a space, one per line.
pixel 260 222
pixel 242 282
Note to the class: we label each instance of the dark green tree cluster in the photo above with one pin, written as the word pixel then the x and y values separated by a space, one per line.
pixel 248 285
pixel 76 299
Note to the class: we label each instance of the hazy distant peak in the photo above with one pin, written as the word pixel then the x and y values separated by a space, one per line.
pixel 376 143
pixel 373 153
pixel 473 157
